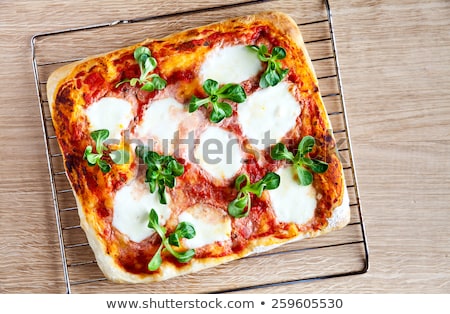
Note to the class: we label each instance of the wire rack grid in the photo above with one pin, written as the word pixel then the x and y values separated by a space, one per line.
pixel 341 253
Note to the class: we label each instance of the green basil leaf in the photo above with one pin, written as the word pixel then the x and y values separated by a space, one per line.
pixel 141 51
pixel 263 83
pixel 263 49
pixel 256 188
pixel 151 158
pixel 278 53
pixel 120 157
pixel 161 171
pixel 148 65
pixel 210 87
pixel 237 207
pixel 271 77
pixel 273 73
pixel 280 152
pixel 166 160
pixel 241 179
pixel 153 219
pixel 144 62
pixel 305 161
pixel 260 51
pixel 153 223
pixel 233 92
pixel 87 152
pixel 282 73
pixel 169 181
pixel 185 230
pixel 148 87
pixel 174 239
pixel 225 108
pixel 184 257
pixel 318 166
pixel 220 110
pixel 158 82
pixel 151 185
pixel 162 193
pixel 99 136
pixel 304 176
pixel 143 57
pixel 175 168
pixel 104 166
pixel 151 175
pixel 93 159
pixel 217 115
pixel 306 145
pixel 156 260
pixel 271 181
pixel 196 103
pixel 272 66
pixel 263 53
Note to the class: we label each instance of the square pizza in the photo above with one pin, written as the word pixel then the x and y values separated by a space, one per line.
pixel 200 148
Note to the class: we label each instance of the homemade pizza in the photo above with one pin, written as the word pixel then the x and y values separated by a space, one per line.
pixel 199 148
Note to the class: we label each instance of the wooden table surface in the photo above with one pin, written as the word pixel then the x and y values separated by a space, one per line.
pixel 395 64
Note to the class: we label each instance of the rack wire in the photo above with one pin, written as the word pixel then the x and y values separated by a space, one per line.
pixel 341 253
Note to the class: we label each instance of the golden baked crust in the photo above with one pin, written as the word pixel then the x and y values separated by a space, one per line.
pixel 73 88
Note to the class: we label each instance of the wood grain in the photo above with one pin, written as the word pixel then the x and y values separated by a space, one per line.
pixel 395 65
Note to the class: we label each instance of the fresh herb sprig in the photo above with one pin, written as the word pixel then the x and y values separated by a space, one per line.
pixel 301 161
pixel 147 64
pixel 161 171
pixel 274 73
pixel 241 205
pixel 183 230
pixel 216 95
pixel 101 152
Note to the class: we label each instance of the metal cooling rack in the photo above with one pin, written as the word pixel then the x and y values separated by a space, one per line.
pixel 348 246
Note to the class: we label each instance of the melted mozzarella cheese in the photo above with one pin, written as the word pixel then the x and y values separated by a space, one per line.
pixel 219 153
pixel 232 64
pixel 160 123
pixel 291 201
pixel 132 204
pixel 268 114
pixel 210 224
pixel 113 114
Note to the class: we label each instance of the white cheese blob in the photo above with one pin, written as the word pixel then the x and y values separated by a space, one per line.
pixel 232 64
pixel 160 123
pixel 132 204
pixel 210 224
pixel 219 153
pixel 268 114
pixel 291 201
pixel 111 113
